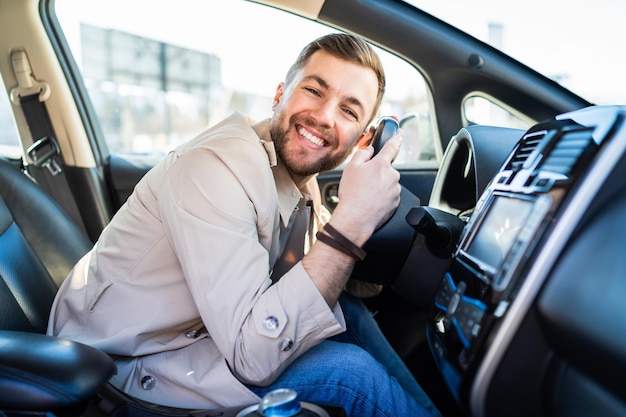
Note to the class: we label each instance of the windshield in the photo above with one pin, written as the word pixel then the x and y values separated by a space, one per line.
pixel 577 43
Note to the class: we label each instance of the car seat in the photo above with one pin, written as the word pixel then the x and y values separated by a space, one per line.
pixel 39 244
pixel 40 374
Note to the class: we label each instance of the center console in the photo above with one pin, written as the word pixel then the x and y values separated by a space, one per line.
pixel 488 280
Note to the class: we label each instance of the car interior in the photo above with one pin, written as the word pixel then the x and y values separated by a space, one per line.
pixel 502 266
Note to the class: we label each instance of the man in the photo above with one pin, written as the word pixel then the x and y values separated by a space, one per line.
pixel 194 288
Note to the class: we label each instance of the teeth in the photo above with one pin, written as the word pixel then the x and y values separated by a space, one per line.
pixel 310 137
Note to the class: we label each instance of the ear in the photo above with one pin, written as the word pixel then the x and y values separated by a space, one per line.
pixel 278 95
pixel 365 139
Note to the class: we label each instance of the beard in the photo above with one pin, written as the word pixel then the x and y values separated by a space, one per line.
pixel 295 160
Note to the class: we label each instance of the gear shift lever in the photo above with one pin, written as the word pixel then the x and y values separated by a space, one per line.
pixel 440 229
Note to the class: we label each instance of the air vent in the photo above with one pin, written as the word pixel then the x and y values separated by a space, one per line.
pixel 567 151
pixel 526 147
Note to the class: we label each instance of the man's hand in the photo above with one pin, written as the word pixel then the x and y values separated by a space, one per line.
pixel 369 192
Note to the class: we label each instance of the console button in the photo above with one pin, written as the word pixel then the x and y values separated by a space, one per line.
pixel 445 293
pixel 467 319
pixel 465 313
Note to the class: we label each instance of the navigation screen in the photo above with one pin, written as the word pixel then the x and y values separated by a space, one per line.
pixel 504 219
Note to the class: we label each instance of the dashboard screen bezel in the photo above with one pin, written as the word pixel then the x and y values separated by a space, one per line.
pixel 490 218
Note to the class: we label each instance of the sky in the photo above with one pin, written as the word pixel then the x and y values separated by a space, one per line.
pixel 141 17
pixel 580 40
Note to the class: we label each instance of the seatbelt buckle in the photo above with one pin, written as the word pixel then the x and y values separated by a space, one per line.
pixel 27 84
pixel 43 153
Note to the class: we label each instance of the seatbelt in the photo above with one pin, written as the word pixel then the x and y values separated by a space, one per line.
pixel 46 167
pixel 294 246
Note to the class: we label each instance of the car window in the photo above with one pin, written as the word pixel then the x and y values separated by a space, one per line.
pixel 574 43
pixel 482 109
pixel 9 140
pixel 158 81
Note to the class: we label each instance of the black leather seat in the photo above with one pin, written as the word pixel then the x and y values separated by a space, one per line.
pixel 39 374
pixel 39 244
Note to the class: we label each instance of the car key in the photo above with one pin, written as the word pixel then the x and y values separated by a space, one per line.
pixel 385 129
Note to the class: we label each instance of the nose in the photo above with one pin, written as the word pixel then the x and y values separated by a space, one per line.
pixel 324 113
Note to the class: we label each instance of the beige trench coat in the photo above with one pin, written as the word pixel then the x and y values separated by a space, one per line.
pixel 177 288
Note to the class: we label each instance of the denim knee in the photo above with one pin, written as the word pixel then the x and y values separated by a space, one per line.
pixel 345 374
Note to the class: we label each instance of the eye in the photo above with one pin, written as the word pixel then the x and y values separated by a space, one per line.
pixel 312 91
pixel 351 113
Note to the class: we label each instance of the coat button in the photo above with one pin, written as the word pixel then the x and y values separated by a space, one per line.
pixel 148 382
pixel 286 344
pixel 271 323
pixel 192 334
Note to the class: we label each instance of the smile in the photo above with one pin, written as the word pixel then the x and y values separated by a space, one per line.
pixel 313 139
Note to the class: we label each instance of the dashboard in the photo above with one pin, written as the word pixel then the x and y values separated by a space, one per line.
pixel 527 319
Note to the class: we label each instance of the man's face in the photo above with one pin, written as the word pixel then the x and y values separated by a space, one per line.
pixel 321 114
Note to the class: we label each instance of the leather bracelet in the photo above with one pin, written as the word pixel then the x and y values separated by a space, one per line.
pixel 323 237
pixel 339 242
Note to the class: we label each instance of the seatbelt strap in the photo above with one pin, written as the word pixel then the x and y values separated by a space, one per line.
pixel 47 163
pixel 295 245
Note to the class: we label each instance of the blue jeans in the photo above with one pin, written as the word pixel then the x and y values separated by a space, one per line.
pixel 358 370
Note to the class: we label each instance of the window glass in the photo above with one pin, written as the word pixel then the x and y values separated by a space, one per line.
pixel 9 140
pixel 574 43
pixel 157 79
pixel 483 110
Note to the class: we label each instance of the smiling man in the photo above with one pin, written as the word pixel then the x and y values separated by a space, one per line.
pixel 196 287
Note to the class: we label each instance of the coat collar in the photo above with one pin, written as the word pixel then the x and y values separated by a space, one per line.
pixel 288 193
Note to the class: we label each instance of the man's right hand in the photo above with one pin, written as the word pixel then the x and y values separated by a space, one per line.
pixel 369 192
